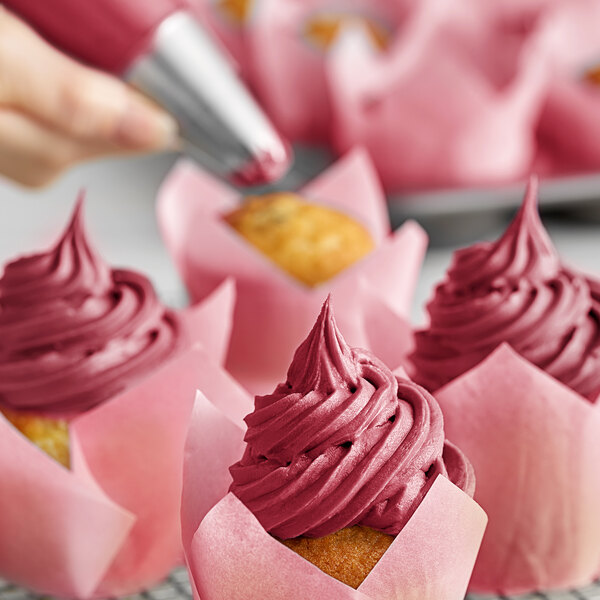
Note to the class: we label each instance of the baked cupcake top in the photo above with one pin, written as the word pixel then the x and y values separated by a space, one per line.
pixel 515 290
pixel 310 242
pixel 343 442
pixel 73 331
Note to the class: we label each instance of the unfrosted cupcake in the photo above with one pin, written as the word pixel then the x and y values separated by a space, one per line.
pixel 340 456
pixel 323 232
pixel 311 242
pixel 515 290
pixel 73 333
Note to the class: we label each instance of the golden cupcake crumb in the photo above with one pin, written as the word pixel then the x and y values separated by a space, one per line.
pixel 310 242
pixel 593 75
pixel 236 10
pixel 323 30
pixel 50 435
pixel 348 555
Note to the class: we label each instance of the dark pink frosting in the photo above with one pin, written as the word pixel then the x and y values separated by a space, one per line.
pixel 342 442
pixel 515 290
pixel 73 331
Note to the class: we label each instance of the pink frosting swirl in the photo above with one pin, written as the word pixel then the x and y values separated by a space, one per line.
pixel 342 442
pixel 74 332
pixel 515 290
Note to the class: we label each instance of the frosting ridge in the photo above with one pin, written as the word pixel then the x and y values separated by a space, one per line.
pixel 515 290
pixel 342 442
pixel 73 331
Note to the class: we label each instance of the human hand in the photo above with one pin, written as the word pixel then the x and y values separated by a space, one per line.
pixel 54 112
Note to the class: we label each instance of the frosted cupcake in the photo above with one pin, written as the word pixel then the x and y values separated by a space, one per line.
pixel 91 365
pixel 340 464
pixel 515 290
pixel 75 333
pixel 342 444
pixel 513 352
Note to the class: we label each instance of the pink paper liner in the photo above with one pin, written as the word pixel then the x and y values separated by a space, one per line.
pixel 569 127
pixel 274 312
pixel 482 132
pixel 535 447
pixel 289 72
pixel 46 517
pixel 110 525
pixel 230 555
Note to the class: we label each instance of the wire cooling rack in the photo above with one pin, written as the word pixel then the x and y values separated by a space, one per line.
pixel 177 587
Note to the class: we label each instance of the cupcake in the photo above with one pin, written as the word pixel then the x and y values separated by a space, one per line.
pixel 568 129
pixel 286 251
pixel 75 333
pixel 290 47
pixel 341 462
pixel 512 351
pixel 489 67
pixel 515 290
pixel 341 451
pixel 312 243
pixel 96 372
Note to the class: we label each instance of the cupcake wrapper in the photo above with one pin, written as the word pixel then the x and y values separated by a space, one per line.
pixel 231 556
pixel 47 514
pixel 289 71
pixel 569 129
pixel 209 323
pixel 482 132
pixel 109 525
pixel 273 312
pixel 535 447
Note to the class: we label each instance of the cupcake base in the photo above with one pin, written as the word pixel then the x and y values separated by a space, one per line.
pixel 348 555
pixel 50 435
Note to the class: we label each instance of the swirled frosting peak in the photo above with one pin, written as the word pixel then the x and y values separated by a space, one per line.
pixel 73 331
pixel 327 360
pixel 342 442
pixel 515 290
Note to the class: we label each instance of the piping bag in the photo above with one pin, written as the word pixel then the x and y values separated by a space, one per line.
pixel 159 47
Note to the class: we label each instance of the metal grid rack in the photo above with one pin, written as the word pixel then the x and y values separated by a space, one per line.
pixel 177 587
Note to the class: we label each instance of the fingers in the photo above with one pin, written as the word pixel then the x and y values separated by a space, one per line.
pixel 33 154
pixel 74 100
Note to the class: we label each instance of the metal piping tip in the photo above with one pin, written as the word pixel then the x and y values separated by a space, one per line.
pixel 266 168
pixel 222 126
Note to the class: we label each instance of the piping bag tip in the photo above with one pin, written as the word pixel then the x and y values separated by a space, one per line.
pixel 267 166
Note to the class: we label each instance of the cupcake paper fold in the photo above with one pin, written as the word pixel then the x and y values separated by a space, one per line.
pixel 207 250
pixel 489 61
pixel 110 524
pixel 569 128
pixel 289 70
pixel 230 555
pixel 535 447
pixel 482 132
